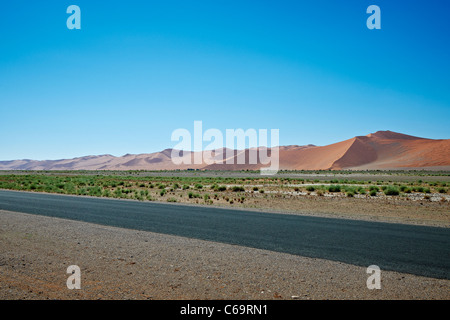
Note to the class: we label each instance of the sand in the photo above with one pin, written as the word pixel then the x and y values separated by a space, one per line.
pixel 380 150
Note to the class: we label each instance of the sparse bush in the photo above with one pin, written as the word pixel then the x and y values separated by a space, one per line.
pixel 334 188
pixel 391 191
pixel 117 193
pixel 193 195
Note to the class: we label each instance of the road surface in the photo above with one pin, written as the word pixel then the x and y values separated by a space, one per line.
pixel 419 250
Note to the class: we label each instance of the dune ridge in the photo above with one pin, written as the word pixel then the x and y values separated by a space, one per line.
pixel 380 150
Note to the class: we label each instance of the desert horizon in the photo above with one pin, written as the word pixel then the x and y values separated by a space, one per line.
pixel 384 150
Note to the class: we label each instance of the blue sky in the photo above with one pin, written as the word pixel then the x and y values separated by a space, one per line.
pixel 138 70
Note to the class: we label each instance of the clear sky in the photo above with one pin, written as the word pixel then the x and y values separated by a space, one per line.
pixel 138 70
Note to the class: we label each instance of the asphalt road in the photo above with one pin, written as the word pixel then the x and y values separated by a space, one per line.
pixel 411 249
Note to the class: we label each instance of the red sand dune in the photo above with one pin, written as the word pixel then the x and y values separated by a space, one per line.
pixel 380 150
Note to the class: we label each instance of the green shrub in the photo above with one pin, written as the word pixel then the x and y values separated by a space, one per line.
pixel 193 195
pixel 117 193
pixel 391 191
pixel 310 188
pixel 334 188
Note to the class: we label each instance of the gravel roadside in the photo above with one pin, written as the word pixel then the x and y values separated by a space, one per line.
pixel 129 264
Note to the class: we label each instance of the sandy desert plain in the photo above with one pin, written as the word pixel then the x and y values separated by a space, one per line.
pixel 120 263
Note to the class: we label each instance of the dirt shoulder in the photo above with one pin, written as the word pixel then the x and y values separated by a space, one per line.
pixel 128 264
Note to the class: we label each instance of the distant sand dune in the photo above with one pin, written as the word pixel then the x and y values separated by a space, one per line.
pixel 380 150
